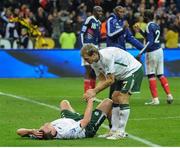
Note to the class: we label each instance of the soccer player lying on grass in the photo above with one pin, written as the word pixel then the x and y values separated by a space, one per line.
pixel 72 125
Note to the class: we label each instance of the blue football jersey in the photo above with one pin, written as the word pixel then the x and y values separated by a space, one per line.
pixel 153 36
pixel 114 27
pixel 90 32
pixel 117 35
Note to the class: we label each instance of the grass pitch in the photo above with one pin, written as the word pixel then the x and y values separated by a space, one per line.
pixel 32 102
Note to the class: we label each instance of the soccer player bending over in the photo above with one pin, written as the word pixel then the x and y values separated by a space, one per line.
pixel 154 59
pixel 114 66
pixel 72 125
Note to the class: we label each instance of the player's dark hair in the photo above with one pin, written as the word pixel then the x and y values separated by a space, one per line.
pixel 97 8
pixel 47 136
pixel 148 15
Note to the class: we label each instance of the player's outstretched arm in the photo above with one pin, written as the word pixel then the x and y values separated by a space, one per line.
pixel 103 83
pixel 87 114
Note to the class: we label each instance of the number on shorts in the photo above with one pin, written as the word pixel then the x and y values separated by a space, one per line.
pixel 124 84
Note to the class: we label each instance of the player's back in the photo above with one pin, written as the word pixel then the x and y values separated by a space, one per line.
pixel 153 36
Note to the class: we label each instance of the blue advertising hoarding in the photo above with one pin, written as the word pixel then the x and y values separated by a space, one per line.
pixel 62 63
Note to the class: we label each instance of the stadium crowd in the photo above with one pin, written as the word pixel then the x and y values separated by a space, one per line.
pixel 53 17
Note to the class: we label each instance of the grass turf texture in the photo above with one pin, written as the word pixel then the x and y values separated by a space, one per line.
pixel 157 124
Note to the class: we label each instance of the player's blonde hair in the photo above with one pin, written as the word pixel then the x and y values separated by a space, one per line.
pixel 88 49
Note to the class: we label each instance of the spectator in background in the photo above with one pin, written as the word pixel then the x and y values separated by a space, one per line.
pixel 56 24
pixel 82 11
pixel 6 14
pixel 78 25
pixel 67 39
pixel 41 18
pixel 11 31
pixel 103 33
pixel 142 25
pixel 23 39
pixel 171 37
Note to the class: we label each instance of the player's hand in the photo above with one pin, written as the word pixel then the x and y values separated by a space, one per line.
pixel 37 133
pixel 126 24
pixel 136 27
pixel 90 93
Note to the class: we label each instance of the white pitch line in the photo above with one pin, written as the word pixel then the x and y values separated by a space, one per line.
pixel 56 108
pixel 29 100
pixel 160 118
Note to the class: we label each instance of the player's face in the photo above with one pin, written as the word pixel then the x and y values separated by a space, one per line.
pixel 99 13
pixel 90 59
pixel 120 12
pixel 48 128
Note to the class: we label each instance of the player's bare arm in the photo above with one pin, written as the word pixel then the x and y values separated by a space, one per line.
pixel 104 82
pixel 87 114
pixel 27 132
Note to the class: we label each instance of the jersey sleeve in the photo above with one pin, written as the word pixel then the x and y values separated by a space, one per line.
pixel 86 23
pixel 149 35
pixel 84 28
pixel 113 27
pixel 131 39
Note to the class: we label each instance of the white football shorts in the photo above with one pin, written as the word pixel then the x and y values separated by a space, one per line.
pixel 154 62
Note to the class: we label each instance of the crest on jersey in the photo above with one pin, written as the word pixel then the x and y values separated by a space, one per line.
pixel 96 113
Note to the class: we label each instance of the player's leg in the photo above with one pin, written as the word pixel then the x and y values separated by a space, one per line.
pixel 120 115
pixel 151 64
pixel 111 90
pixel 90 78
pixel 68 112
pixel 98 117
pixel 153 90
pixel 121 108
pixel 165 85
pixel 65 105
pixel 105 106
pixel 162 78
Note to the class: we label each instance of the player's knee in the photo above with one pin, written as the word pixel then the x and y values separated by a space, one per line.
pixel 151 76
pixel 64 104
pixel 108 101
pixel 159 76
pixel 115 97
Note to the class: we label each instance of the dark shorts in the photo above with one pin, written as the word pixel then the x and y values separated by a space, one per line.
pixel 130 84
pixel 97 119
